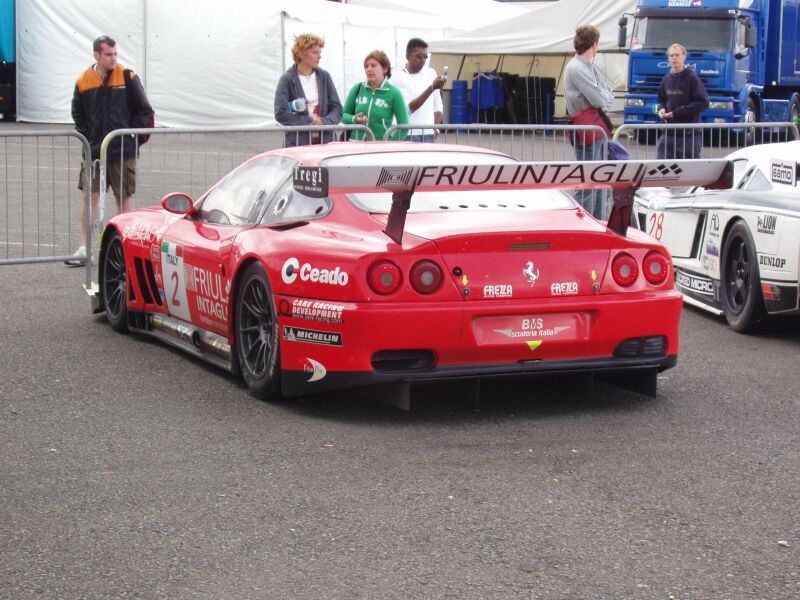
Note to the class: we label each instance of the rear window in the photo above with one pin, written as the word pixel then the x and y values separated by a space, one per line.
pixel 455 201
pixel 428 157
pixel 450 200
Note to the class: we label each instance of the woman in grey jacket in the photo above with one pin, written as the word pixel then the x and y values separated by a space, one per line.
pixel 306 94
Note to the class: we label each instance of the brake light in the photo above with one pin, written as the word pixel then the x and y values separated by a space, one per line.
pixel 624 269
pixel 384 277
pixel 655 267
pixel 426 277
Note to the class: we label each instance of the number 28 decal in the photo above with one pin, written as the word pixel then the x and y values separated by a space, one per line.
pixel 655 225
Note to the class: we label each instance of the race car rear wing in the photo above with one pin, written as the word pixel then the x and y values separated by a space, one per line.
pixel 624 177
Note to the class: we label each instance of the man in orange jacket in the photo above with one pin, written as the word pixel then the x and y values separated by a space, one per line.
pixel 108 97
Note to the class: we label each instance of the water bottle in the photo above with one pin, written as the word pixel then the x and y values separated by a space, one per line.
pixel 298 105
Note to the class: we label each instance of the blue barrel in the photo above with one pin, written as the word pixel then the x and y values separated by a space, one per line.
pixel 458 114
pixel 459 93
pixel 458 102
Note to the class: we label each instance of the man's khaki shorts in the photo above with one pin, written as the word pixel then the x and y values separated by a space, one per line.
pixel 113 178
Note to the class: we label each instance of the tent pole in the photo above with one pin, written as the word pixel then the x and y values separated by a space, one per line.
pixel 344 56
pixel 283 41
pixel 144 51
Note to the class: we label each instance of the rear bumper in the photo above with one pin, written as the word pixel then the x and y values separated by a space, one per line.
pixel 334 349
pixel 295 383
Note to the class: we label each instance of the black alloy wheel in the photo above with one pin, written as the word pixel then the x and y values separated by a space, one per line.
pixel 741 297
pixel 114 286
pixel 257 336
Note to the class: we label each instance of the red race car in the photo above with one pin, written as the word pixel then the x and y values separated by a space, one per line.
pixel 311 269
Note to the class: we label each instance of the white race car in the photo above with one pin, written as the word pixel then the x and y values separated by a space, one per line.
pixel 735 251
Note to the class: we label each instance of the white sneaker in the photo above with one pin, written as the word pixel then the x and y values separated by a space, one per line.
pixel 78 258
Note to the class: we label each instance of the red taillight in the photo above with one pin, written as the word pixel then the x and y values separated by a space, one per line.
pixel 655 267
pixel 384 277
pixel 624 269
pixel 426 277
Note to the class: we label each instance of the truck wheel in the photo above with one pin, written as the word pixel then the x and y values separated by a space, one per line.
pixel 741 293
pixel 794 112
pixel 752 135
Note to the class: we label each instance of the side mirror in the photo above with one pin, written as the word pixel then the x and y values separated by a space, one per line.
pixel 178 203
pixel 622 38
pixel 750 37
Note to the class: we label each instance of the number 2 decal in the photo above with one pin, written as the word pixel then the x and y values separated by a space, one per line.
pixel 175 300
pixel 656 227
pixel 175 285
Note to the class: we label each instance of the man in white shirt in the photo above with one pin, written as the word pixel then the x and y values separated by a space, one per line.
pixel 420 86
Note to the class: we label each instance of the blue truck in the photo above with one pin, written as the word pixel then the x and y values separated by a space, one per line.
pixel 746 52
pixel 8 66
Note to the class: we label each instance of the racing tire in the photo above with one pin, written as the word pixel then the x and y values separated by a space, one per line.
pixel 114 287
pixel 741 283
pixel 257 336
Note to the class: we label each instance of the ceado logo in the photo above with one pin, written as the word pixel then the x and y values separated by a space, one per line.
pixel 292 267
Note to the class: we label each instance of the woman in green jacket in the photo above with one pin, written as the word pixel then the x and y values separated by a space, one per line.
pixel 376 102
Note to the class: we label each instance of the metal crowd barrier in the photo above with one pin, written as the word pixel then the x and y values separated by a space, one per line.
pixel 698 140
pixel 192 159
pixel 523 142
pixel 40 203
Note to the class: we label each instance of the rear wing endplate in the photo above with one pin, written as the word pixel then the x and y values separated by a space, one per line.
pixel 623 177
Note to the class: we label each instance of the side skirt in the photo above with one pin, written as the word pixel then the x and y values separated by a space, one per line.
pixel 206 345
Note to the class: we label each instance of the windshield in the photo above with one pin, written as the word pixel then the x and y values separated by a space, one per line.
pixel 709 35
pixel 461 201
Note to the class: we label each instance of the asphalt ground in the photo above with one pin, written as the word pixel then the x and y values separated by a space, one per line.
pixel 129 470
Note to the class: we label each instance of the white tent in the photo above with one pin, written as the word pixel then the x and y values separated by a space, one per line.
pixel 461 14
pixel 203 63
pixel 537 43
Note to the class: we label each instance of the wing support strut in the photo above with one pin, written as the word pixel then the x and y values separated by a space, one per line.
pixel 396 222
pixel 620 216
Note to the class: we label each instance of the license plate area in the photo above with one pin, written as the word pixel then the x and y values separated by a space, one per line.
pixel 500 330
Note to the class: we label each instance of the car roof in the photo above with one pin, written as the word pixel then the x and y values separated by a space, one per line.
pixel 764 155
pixel 314 155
